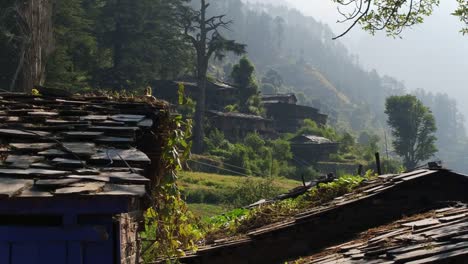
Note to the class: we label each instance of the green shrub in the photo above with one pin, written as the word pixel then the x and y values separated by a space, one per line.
pixel 252 190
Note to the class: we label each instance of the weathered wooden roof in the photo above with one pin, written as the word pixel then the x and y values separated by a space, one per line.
pixel 311 139
pixel 377 202
pixel 435 236
pixel 279 98
pixel 237 115
pixel 73 146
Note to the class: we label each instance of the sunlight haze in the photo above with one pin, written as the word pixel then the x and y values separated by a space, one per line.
pixel 432 56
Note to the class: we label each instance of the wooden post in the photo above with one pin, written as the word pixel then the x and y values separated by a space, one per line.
pixel 359 170
pixel 377 163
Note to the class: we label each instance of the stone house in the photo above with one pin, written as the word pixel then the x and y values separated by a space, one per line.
pixel 288 116
pixel 238 125
pixel 309 148
pixel 75 174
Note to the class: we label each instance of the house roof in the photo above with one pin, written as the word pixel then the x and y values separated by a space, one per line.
pixel 432 237
pixel 311 139
pixel 78 146
pixel 278 98
pixel 375 203
pixel 237 115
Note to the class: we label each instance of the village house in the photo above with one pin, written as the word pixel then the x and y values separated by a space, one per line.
pixel 415 217
pixel 288 116
pixel 75 175
pixel 218 94
pixel 310 149
pixel 238 125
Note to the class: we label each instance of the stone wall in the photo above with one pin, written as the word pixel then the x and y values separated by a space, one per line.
pixel 130 242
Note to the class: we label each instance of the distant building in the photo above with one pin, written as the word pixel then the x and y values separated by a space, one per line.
pixel 310 149
pixel 288 98
pixel 218 94
pixel 238 125
pixel 288 116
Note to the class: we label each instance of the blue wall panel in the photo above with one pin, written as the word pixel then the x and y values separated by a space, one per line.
pixel 72 244
pixel 4 253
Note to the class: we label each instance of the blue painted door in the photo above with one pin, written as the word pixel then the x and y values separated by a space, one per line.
pixel 57 245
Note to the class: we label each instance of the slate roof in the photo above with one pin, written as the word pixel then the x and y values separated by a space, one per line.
pixel 376 203
pixel 311 139
pixel 237 115
pixel 73 146
pixel 431 237
pixel 279 98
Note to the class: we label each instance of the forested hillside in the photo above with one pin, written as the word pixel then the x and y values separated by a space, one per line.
pixel 125 45
pixel 326 75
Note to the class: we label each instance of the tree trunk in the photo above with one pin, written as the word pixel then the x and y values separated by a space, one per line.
pixel 199 132
pixel 202 68
pixel 35 20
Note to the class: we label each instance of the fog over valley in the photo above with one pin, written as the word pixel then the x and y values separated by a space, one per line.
pixel 432 56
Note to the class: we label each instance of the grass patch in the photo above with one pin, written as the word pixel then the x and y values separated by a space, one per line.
pixel 206 210
pixel 240 222
pixel 198 187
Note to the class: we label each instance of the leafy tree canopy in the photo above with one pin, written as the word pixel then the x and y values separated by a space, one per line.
pixel 413 127
pixel 244 77
pixel 393 16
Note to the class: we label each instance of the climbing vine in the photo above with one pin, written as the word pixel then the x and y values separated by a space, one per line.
pixel 170 228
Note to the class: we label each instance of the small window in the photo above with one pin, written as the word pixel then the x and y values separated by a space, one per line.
pixel 30 220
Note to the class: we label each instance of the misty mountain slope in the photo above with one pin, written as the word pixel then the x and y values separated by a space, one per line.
pixel 284 39
pixel 312 83
pixel 324 74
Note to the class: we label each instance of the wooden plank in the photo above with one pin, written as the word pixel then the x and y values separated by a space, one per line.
pixel 99 178
pixel 46 234
pixel 56 183
pixel 83 134
pixel 126 177
pixel 41 165
pixel 146 123
pixel 116 140
pixel 25 252
pixel 31 146
pixel 422 223
pixel 22 161
pixel 68 163
pixel 452 218
pixel 65 122
pixel 52 252
pixel 81 188
pixel 428 252
pixel 94 117
pixel 124 190
pixel 50 153
pixel 86 172
pixel 11 187
pixel 115 130
pixel 34 192
pixel 33 172
pixel 409 178
pixel 85 149
pixel 108 123
pixel 117 155
pixel 128 118
pixel 440 258
pixel 23 133
pixel 43 114
pixel 5 252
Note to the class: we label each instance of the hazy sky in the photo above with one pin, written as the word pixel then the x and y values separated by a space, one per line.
pixel 433 56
